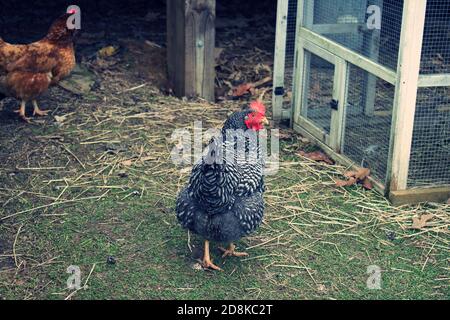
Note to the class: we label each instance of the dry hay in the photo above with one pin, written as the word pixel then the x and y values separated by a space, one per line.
pixel 110 141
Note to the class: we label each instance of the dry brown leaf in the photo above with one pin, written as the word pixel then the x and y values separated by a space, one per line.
pixel 242 89
pixel 19 282
pixel 346 183
pixel 367 184
pixel 350 174
pixel 420 223
pixel 354 177
pixel 317 156
pixel 362 174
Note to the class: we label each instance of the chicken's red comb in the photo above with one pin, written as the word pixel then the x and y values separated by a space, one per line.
pixel 258 106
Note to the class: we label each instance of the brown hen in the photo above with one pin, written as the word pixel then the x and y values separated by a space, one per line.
pixel 27 71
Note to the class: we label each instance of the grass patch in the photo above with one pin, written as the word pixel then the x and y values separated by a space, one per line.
pixel 114 195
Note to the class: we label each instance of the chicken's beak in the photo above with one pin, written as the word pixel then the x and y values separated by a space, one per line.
pixel 264 121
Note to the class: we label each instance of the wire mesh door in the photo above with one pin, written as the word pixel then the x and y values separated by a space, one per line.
pixel 368 119
pixel 349 77
pixel 321 94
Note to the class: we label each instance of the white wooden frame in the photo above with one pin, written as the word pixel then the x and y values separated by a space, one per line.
pixel 301 60
pixel 438 80
pixel 408 70
pixel 406 79
pixel 280 58
pixel 334 139
pixel 306 40
pixel 337 28
pixel 341 57
pixel 350 56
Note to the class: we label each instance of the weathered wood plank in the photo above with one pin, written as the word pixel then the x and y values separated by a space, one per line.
pixel 302 62
pixel 280 58
pixel 435 80
pixel 337 28
pixel 190 47
pixel 349 55
pixel 408 69
pixel 412 196
pixel 338 116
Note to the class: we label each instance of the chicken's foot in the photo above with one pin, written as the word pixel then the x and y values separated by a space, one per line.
pixel 38 111
pixel 231 252
pixel 207 262
pixel 21 111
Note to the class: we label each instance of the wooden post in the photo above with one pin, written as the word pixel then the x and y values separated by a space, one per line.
pixel 408 69
pixel 337 125
pixel 280 59
pixel 190 47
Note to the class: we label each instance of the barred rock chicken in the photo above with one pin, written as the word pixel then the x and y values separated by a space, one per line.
pixel 223 200
pixel 27 71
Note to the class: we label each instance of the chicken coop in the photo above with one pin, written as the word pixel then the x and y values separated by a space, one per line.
pixel 369 82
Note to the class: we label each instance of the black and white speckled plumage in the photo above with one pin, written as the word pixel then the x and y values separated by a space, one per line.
pixel 223 202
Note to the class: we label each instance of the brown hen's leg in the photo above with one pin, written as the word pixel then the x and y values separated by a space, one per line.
pixel 231 252
pixel 21 111
pixel 207 263
pixel 38 111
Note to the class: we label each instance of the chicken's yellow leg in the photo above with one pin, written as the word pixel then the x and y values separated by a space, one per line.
pixel 231 252
pixel 38 111
pixel 207 263
pixel 21 111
